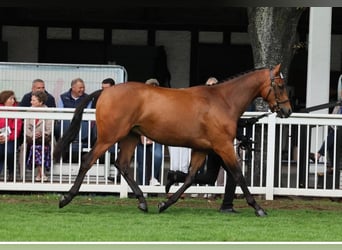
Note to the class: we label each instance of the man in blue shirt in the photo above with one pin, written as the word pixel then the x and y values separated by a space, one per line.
pixel 72 97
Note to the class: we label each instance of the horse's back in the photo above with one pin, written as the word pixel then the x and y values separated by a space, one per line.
pixel 154 111
pixel 145 98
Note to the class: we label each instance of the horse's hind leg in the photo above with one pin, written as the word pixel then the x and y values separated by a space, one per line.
pixel 87 162
pixel 197 160
pixel 127 147
pixel 232 165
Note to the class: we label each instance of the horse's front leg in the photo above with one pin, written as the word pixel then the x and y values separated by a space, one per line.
pixel 259 211
pixel 232 165
pixel 197 160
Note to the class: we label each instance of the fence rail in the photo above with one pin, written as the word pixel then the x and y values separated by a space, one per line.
pixel 279 163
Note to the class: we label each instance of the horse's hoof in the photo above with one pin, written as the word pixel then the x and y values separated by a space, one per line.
pixel 162 206
pixel 260 213
pixel 143 207
pixel 63 202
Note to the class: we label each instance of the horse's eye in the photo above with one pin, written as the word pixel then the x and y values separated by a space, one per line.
pixel 281 86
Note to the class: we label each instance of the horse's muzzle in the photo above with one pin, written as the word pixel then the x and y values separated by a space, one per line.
pixel 284 112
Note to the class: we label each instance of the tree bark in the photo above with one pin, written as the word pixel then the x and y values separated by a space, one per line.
pixel 273 35
pixel 272 31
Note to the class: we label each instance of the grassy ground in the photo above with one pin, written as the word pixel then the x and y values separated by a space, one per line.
pixel 108 218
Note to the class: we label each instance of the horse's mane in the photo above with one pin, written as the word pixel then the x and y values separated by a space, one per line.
pixel 240 74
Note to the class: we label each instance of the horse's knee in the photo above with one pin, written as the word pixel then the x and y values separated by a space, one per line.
pixel 122 170
pixel 86 160
pixel 122 165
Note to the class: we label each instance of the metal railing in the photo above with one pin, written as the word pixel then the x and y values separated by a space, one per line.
pixel 278 164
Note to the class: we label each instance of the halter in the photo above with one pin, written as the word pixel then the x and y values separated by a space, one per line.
pixel 276 94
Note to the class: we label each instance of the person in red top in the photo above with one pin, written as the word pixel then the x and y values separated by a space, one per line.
pixel 10 130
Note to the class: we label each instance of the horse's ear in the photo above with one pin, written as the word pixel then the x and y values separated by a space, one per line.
pixel 277 69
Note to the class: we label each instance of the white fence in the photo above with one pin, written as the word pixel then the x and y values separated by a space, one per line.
pixel 57 77
pixel 279 163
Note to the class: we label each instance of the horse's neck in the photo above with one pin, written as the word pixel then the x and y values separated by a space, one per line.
pixel 244 90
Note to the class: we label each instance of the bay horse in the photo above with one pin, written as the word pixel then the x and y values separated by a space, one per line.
pixel 202 118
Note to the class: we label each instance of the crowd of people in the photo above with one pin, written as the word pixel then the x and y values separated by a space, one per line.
pixel 35 148
pixel 35 137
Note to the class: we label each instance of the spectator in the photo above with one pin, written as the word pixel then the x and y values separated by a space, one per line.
pixel 212 157
pixel 74 95
pixel 211 161
pixel 10 130
pixel 38 137
pixel 145 151
pixel 37 85
pixel 147 146
pixel 211 81
pixel 329 144
pixel 179 158
pixel 71 99
pixel 106 83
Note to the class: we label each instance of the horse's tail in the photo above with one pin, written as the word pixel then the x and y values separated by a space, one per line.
pixel 75 125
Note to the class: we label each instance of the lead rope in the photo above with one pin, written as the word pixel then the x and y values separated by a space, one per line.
pixel 245 142
pixel 321 106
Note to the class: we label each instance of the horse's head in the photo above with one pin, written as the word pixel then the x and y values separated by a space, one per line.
pixel 276 94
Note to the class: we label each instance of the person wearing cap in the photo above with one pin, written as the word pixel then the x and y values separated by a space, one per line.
pixel 146 146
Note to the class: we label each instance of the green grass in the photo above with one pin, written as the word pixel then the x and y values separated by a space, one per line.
pixel 108 218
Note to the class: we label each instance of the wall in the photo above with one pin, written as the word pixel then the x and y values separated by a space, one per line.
pixel 177 45
pixel 23 45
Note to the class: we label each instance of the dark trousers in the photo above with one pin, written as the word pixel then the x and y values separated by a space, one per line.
pixel 10 157
pixel 158 154
pixel 214 162
pixel 330 144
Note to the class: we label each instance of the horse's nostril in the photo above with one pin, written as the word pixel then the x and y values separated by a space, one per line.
pixel 284 113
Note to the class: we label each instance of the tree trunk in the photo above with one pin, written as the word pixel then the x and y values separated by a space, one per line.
pixel 273 34
pixel 272 31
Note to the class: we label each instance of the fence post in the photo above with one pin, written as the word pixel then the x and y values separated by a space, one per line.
pixel 271 140
pixel 338 166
